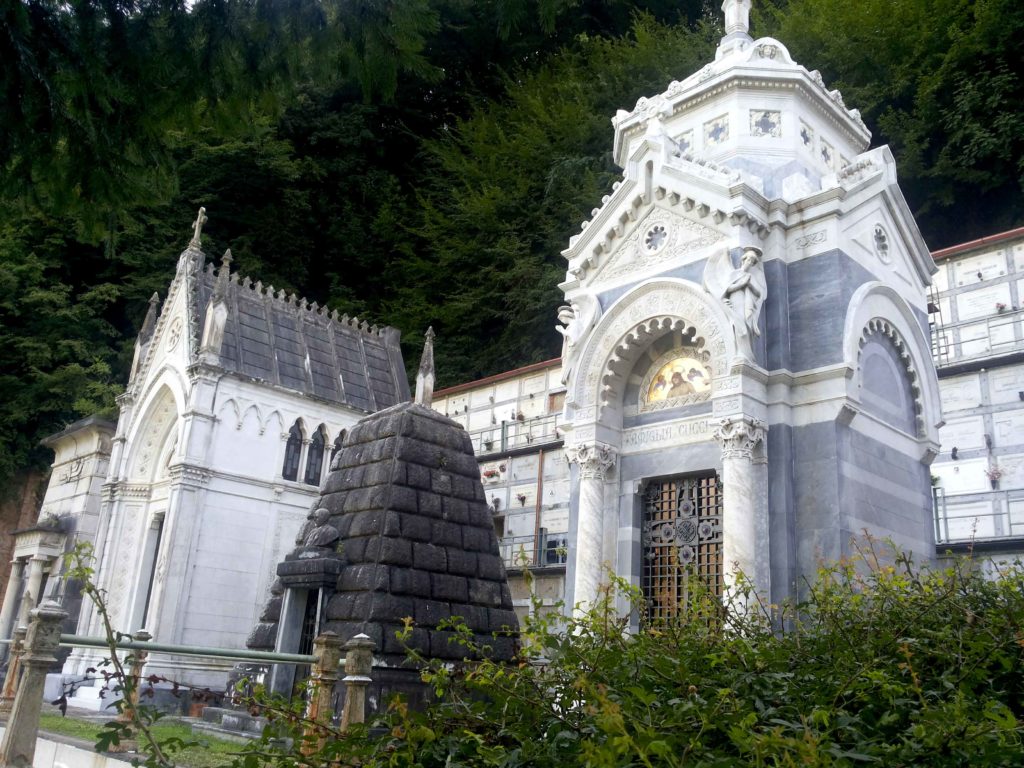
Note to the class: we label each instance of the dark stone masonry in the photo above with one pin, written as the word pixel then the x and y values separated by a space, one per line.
pixel 409 536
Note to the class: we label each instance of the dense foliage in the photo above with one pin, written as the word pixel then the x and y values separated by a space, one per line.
pixel 412 161
pixel 881 665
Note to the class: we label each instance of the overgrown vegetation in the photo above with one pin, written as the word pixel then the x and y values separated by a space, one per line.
pixel 881 664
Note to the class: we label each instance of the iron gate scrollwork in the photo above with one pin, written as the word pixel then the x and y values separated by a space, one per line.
pixel 682 539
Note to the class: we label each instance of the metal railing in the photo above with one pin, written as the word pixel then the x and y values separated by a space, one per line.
pixel 1000 337
pixel 512 435
pixel 534 551
pixel 33 653
pixel 985 516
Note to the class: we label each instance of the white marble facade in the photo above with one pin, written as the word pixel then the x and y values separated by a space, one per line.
pixel 216 458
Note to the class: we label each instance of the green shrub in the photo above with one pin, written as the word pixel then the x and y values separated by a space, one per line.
pixel 882 663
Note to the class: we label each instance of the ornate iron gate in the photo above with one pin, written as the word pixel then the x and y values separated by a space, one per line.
pixel 682 539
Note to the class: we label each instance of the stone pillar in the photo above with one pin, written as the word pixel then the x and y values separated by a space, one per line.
pixel 35 582
pixel 593 461
pixel 13 671
pixel 744 501
pixel 10 603
pixel 358 665
pixel 18 747
pixel 324 676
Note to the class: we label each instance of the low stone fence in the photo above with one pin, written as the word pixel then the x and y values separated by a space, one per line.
pixel 33 654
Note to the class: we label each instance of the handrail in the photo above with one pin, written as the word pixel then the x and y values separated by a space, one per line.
pixel 83 641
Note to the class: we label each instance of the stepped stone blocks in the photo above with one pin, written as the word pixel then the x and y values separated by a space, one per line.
pixel 410 537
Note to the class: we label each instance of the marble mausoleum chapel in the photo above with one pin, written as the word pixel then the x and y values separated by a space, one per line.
pixel 746 384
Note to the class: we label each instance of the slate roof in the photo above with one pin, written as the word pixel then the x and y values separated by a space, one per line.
pixel 286 341
pixel 416 540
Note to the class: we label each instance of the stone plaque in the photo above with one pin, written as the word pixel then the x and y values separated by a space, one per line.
pixel 990 265
pixel 966 476
pixel 481 398
pixel 960 392
pixel 982 302
pixel 524 467
pixel 1018 257
pixel 1005 384
pixel 480 419
pixel 964 522
pixel 1009 427
pixel 507 390
pixel 667 435
pixel 940 279
pixel 556 492
pixel 524 496
pixel 966 434
pixel 555 520
pixel 534 385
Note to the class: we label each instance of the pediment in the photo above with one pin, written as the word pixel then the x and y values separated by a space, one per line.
pixel 659 237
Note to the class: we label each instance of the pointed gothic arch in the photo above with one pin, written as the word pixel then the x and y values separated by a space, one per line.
pixel 293 451
pixel 315 457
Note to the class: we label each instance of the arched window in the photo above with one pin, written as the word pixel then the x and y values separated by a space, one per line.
pixel 315 458
pixel 292 452
pixel 338 441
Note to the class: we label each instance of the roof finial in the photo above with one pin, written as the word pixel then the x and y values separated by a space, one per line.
pixel 425 375
pixel 197 234
pixel 737 19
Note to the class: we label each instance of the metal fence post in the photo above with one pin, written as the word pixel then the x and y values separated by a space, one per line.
pixel 324 676
pixel 18 747
pixel 358 666
pixel 13 670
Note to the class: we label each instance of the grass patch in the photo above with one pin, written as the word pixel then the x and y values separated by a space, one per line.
pixel 207 753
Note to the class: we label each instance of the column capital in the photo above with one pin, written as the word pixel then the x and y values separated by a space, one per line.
pixel 739 436
pixel 593 459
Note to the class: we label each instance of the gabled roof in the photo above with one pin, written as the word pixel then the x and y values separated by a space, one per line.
pixel 287 341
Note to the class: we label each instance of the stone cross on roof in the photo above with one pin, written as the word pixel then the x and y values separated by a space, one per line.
pixel 196 241
pixel 737 17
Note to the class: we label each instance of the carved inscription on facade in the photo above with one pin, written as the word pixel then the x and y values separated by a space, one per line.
pixel 666 435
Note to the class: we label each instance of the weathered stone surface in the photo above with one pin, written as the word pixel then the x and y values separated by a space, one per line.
pixel 417 540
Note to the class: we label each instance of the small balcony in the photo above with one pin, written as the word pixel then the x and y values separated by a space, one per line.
pixel 990 519
pixel 984 337
pixel 517 435
pixel 540 551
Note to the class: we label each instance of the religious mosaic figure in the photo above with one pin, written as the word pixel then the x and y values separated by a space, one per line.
pixel 742 291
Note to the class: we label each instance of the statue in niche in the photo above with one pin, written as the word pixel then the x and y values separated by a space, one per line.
pixel 576 318
pixel 742 290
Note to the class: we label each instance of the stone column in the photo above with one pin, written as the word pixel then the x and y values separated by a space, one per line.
pixel 18 747
pixel 10 603
pixel 35 582
pixel 593 461
pixel 744 501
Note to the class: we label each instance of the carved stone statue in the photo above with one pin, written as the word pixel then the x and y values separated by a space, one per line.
pixel 737 16
pixel 576 318
pixel 742 291
pixel 324 535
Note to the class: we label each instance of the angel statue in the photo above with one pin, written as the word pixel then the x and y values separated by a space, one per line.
pixel 576 318
pixel 741 290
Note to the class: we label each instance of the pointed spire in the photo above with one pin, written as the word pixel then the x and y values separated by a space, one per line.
pixel 149 324
pixel 220 288
pixel 197 230
pixel 425 375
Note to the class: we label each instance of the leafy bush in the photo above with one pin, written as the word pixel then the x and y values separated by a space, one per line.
pixel 882 663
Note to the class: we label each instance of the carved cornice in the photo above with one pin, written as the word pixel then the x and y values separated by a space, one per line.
pixel 740 436
pixel 593 459
pixel 189 474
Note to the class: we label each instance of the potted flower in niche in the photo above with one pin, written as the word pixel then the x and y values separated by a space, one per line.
pixel 1000 307
pixel 994 473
